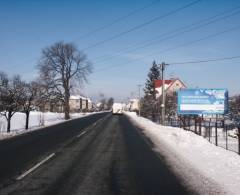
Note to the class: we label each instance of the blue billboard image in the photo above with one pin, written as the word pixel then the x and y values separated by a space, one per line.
pixel 202 101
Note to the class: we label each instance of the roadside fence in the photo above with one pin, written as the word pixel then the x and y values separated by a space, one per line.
pixel 217 131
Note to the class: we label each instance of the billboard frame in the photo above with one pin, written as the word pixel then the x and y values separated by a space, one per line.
pixel 202 112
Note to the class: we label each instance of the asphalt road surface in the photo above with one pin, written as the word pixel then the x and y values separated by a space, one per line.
pixel 101 154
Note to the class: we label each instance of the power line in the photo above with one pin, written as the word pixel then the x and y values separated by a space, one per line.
pixel 119 19
pixel 187 62
pixel 198 40
pixel 205 61
pixel 138 26
pixel 142 25
pixel 184 29
pixel 182 45
pixel 170 37
pixel 113 22
pixel 194 41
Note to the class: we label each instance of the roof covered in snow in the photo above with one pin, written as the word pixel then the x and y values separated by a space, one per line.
pixel 77 97
pixel 159 83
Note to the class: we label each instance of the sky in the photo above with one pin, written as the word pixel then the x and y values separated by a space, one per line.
pixel 123 38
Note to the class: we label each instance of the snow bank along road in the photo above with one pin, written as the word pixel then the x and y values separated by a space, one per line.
pixel 109 156
pixel 200 164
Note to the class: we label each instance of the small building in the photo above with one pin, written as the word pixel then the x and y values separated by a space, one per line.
pixel 170 86
pixel 79 103
pixel 49 105
pixel 134 105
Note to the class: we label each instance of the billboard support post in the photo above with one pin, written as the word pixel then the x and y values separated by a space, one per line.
pixel 179 121
pixel 226 131
pixel 200 126
pixel 209 128
pixel 216 131
pixel 189 123
pixel 186 122
pixel 239 140
pixel 195 124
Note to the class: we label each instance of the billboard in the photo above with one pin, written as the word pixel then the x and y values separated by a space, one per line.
pixel 202 101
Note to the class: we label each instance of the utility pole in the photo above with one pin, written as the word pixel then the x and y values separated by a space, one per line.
pixel 162 67
pixel 139 100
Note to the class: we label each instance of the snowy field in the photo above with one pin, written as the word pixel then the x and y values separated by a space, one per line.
pixel 36 121
pixel 202 165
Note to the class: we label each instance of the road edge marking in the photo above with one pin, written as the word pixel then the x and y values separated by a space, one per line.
pixel 81 133
pixel 35 167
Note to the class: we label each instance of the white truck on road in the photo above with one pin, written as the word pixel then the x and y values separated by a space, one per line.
pixel 117 108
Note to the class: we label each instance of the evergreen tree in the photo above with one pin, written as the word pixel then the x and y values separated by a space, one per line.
pixel 149 103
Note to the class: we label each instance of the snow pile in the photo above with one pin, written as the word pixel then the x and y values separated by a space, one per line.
pixel 36 120
pixel 177 145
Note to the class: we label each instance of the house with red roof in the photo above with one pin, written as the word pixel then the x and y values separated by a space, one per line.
pixel 170 86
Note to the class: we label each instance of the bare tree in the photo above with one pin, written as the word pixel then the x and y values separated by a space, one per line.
pixel 3 83
pixel 11 97
pixel 3 78
pixel 43 94
pixel 103 102
pixel 234 106
pixel 31 90
pixel 110 103
pixel 171 105
pixel 61 65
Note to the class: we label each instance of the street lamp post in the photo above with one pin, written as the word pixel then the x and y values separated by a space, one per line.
pixel 139 100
